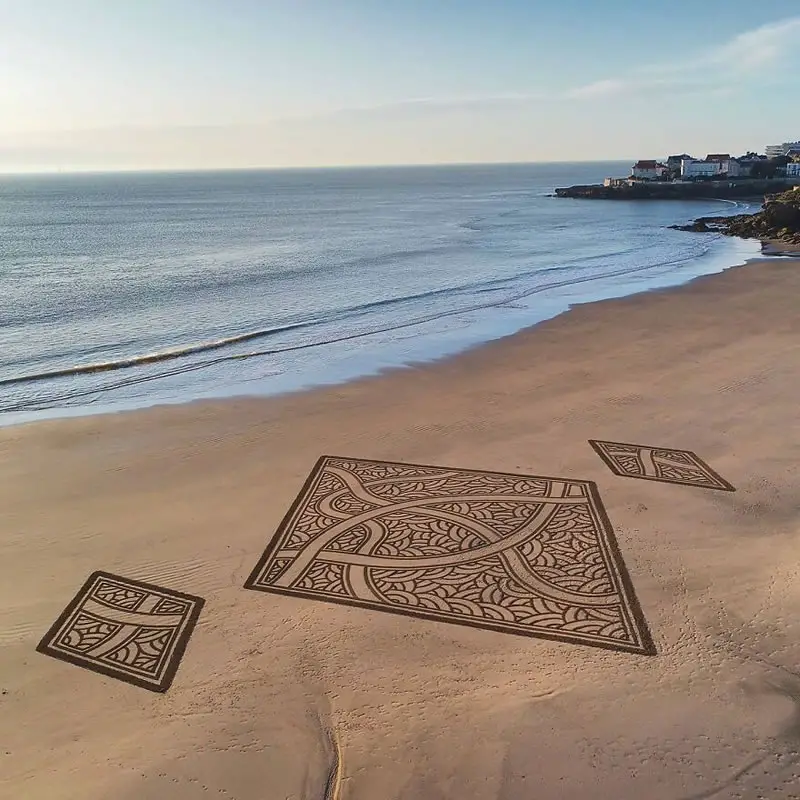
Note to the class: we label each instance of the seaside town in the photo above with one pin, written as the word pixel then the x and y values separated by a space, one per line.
pixel 779 161
pixel 773 176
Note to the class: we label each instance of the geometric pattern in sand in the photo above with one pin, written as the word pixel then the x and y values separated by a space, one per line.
pixel 659 464
pixel 515 553
pixel 126 629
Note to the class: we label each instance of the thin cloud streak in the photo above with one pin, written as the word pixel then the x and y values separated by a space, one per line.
pixel 758 49
pixel 749 53
pixel 608 87
pixel 423 104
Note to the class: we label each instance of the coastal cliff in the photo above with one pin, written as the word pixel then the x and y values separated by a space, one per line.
pixel 778 220
pixel 662 190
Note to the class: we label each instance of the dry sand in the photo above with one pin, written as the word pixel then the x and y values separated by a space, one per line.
pixel 273 690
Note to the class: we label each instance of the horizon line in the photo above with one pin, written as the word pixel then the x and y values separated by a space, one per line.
pixel 294 168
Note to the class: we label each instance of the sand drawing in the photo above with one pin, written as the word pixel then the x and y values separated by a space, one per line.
pixel 659 464
pixel 125 629
pixel 520 554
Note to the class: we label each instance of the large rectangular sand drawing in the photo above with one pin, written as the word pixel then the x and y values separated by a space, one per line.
pixel 514 553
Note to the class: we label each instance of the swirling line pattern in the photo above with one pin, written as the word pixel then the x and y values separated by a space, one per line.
pixel 659 464
pixel 126 629
pixel 520 554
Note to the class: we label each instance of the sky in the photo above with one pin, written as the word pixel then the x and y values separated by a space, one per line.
pixel 209 84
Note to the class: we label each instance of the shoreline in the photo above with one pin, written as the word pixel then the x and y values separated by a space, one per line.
pixel 283 691
pixel 737 188
pixel 375 369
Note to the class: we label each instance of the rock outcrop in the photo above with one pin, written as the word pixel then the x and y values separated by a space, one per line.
pixel 778 220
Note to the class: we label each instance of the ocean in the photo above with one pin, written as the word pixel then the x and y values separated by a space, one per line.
pixel 120 291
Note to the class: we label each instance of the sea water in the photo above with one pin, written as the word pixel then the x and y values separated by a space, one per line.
pixel 132 289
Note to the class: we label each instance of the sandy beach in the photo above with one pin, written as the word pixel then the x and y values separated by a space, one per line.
pixel 281 696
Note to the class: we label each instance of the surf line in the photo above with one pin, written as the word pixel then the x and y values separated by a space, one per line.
pixel 151 358
pixel 222 343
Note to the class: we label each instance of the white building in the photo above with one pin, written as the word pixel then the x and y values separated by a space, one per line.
pixel 699 169
pixel 793 170
pixel 778 150
pixel 728 166
pixel 735 169
pixel 647 170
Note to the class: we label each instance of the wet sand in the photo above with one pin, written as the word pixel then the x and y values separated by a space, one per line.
pixel 775 247
pixel 285 697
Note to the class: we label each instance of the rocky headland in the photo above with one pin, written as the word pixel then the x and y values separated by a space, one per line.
pixel 667 190
pixel 778 221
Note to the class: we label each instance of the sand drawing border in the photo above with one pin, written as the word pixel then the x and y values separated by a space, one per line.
pixel 177 651
pixel 609 538
pixel 596 445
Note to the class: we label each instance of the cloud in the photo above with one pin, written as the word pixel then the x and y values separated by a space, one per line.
pixel 629 87
pixel 760 48
pixel 710 73
pixel 604 88
pixel 436 104
pixel 750 53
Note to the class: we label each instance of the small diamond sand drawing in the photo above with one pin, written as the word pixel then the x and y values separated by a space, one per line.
pixel 659 464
